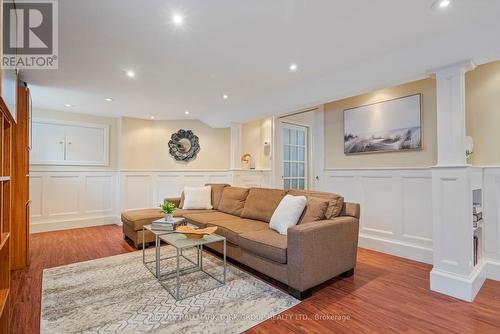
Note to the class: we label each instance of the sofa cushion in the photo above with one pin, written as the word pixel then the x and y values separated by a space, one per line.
pixel 202 219
pixel 217 189
pixel 315 210
pixel 231 229
pixel 136 219
pixel 288 213
pixel 182 212
pixel 233 200
pixel 266 243
pixel 197 198
pixel 261 203
pixel 335 205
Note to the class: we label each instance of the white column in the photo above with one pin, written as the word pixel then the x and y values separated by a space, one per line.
pixel 450 82
pixel 235 146
pixel 453 271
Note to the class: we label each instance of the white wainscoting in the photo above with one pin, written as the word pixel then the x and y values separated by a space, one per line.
pixel 491 216
pixel 71 199
pixel 148 189
pixel 252 178
pixel 63 200
pixel 396 208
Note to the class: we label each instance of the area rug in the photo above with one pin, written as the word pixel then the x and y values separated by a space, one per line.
pixel 119 295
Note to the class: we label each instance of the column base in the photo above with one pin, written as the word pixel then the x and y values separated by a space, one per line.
pixel 458 286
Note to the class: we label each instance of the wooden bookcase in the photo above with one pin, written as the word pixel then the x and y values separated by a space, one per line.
pixel 5 215
pixel 20 180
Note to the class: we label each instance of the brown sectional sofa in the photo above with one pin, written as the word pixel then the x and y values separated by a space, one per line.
pixel 322 246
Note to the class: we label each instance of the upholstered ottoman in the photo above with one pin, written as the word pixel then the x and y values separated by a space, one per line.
pixel 134 220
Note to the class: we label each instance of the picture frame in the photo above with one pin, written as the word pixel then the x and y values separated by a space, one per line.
pixel 393 125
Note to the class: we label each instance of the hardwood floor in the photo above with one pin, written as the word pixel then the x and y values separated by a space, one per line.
pixel 386 294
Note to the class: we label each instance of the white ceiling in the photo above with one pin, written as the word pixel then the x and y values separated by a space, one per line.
pixel 244 49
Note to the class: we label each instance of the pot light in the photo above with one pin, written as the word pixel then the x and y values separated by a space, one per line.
pixel 177 19
pixel 441 4
pixel 186 112
pixel 152 117
pixel 444 3
pixel 293 67
pixel 225 96
pixel 108 99
pixel 67 105
pixel 130 74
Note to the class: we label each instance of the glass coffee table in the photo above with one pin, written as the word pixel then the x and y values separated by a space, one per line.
pixel 167 228
pixel 180 242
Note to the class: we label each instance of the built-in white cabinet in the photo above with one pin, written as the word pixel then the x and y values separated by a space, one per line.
pixel 69 143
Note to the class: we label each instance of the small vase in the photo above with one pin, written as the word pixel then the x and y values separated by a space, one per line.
pixel 169 217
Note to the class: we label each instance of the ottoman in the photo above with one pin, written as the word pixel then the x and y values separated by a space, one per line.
pixel 134 220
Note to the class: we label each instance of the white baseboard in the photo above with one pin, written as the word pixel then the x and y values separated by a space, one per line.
pixel 38 227
pixel 461 287
pixel 396 248
pixel 493 270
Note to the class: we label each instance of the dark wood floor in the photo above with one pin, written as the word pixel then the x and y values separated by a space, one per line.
pixel 387 294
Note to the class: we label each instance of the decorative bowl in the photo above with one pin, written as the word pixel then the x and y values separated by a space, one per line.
pixel 193 233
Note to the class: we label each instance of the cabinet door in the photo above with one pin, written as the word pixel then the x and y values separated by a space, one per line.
pixel 48 143
pixel 86 145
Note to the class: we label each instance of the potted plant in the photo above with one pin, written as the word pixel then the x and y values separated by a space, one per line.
pixel 168 209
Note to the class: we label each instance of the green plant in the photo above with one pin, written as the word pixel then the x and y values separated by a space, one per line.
pixel 167 207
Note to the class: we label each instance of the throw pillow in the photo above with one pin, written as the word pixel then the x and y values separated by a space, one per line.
pixel 288 213
pixel 315 210
pixel 197 198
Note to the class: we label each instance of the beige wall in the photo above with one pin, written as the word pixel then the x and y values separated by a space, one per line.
pixel 144 145
pixel 482 90
pixel 113 124
pixel 334 130
pixel 253 136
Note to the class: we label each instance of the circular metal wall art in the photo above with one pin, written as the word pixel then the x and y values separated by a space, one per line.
pixel 184 145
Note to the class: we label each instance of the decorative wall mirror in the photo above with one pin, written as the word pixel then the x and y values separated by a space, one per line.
pixel 184 145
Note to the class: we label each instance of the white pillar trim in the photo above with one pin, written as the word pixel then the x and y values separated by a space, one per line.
pixel 235 146
pixel 450 99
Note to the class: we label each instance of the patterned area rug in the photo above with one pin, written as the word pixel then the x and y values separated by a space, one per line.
pixel 119 295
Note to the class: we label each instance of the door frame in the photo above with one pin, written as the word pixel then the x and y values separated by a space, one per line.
pixel 278 156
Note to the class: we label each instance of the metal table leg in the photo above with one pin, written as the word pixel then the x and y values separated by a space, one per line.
pixel 224 261
pixel 177 275
pixel 157 248
pixel 201 257
pixel 143 246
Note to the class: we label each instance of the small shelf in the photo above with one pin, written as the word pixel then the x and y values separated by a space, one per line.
pixel 4 297
pixel 4 178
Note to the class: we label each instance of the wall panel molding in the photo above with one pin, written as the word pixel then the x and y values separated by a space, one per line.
pixel 396 208
pixel 82 198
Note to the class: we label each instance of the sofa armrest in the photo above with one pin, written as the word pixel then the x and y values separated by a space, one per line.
pixel 175 200
pixel 321 250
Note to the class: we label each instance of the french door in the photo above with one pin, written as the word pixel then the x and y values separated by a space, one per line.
pixel 295 156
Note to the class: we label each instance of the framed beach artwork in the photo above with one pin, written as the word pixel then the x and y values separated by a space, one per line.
pixel 389 126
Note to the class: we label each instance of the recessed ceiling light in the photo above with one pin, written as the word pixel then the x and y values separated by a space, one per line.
pixel 442 4
pixel 108 99
pixel 225 96
pixel 152 117
pixel 293 67
pixel 67 105
pixel 177 19
pixel 186 112
pixel 130 74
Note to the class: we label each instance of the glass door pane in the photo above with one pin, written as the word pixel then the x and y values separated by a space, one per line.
pixel 294 157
